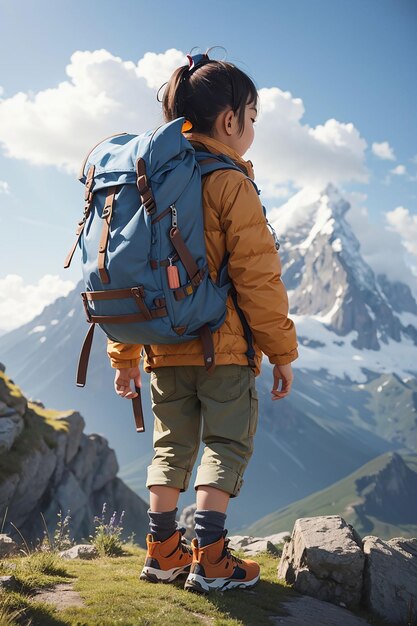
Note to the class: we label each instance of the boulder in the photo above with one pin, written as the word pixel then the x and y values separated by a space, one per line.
pixel 84 551
pixel 8 583
pixel 324 559
pixel 251 546
pixel 186 521
pixel 390 578
pixel 7 546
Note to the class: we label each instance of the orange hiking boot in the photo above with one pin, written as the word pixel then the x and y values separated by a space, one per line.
pixel 214 567
pixel 165 560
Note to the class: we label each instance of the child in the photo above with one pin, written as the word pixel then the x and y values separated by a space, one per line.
pixel 219 102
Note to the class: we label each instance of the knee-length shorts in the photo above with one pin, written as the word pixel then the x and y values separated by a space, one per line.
pixel 190 406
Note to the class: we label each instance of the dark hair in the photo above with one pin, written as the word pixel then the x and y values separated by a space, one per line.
pixel 201 94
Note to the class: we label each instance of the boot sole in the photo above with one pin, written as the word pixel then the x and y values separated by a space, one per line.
pixel 199 584
pixel 153 575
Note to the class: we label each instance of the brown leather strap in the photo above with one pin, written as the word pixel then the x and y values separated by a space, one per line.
pixel 139 295
pixel 89 183
pixel 82 377
pixel 84 357
pixel 138 411
pixel 188 290
pixel 115 294
pixel 183 292
pixel 81 174
pixel 88 196
pixel 208 348
pixel 145 191
pixel 102 249
pixel 130 318
pixel 184 254
pixel 162 215
pixel 78 234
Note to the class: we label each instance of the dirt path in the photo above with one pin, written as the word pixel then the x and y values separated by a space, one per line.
pixel 62 596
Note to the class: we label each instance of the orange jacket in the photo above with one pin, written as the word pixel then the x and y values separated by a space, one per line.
pixel 233 222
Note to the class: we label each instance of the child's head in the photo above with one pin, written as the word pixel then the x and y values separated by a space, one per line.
pixel 217 98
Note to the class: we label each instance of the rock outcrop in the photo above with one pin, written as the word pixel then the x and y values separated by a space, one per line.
pixel 48 464
pixel 326 558
pixel 390 578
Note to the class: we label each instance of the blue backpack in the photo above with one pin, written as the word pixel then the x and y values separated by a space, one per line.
pixel 143 250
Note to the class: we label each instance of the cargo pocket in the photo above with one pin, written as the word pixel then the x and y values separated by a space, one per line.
pixel 225 384
pixel 163 384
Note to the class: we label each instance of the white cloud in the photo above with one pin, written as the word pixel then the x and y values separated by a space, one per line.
pixel 19 303
pixel 4 187
pixel 157 68
pixel 383 151
pixel 103 95
pixel 401 221
pixel 399 170
pixel 286 150
pixel 380 244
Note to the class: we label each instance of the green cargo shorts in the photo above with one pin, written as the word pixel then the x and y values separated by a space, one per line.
pixel 189 405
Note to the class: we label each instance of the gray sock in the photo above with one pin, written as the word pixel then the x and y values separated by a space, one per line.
pixel 162 525
pixel 209 526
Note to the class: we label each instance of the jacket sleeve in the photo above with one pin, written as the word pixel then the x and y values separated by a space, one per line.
pixel 255 269
pixel 123 355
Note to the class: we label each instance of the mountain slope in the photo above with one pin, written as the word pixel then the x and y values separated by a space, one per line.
pixel 379 498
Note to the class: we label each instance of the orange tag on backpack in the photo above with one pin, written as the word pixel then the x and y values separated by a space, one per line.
pixel 173 277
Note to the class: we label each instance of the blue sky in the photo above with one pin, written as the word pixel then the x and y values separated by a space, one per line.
pixel 351 61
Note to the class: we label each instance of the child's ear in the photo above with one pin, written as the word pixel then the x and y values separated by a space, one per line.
pixel 229 122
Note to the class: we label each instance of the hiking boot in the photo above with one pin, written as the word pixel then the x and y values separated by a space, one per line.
pixel 214 567
pixel 165 560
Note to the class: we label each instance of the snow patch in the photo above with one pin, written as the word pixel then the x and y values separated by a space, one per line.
pixel 395 357
pixel 37 329
pixel 71 313
pixel 42 339
pixel 407 318
pixel 54 322
pixel 370 312
pixel 337 245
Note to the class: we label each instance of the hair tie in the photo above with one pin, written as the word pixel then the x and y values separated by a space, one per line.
pixel 186 126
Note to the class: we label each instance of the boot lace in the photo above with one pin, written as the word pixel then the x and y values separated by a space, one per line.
pixel 183 544
pixel 228 552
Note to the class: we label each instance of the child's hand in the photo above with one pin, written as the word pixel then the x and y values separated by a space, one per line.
pixel 122 382
pixel 284 373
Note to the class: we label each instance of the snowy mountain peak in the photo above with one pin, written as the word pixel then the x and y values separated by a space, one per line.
pixel 328 278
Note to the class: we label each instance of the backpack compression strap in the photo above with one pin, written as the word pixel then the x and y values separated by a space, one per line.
pixel 82 377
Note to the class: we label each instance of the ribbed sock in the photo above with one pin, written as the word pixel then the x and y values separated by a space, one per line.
pixel 162 525
pixel 209 526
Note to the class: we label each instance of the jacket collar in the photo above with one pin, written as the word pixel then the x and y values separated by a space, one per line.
pixel 218 147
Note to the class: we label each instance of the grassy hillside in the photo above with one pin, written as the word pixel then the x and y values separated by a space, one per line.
pixel 342 498
pixel 110 593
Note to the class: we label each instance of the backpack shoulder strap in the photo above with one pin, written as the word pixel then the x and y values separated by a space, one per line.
pixel 210 162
